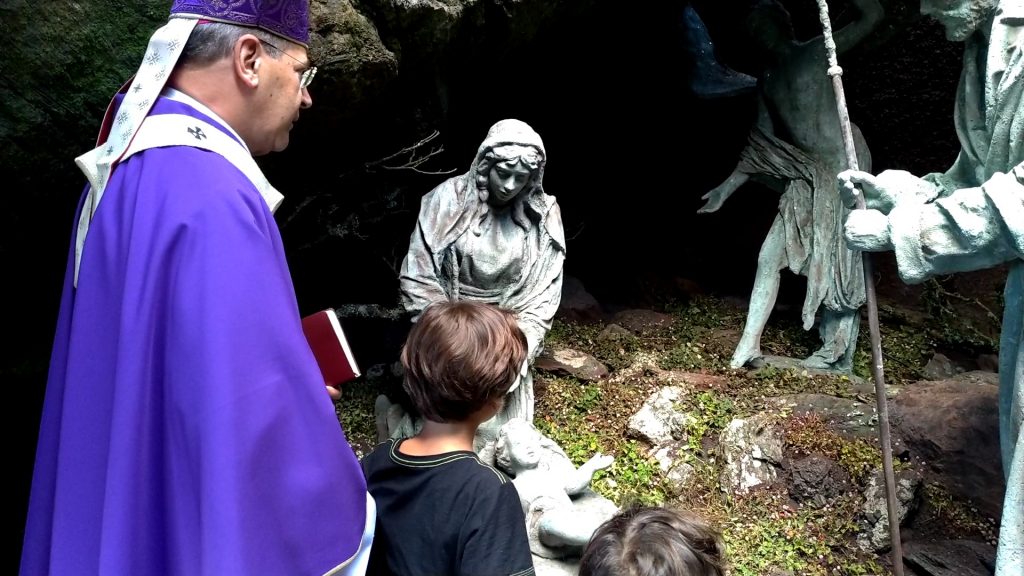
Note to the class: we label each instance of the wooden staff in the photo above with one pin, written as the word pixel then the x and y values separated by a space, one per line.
pixel 835 72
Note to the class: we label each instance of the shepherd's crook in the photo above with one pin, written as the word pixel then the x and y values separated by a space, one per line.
pixel 869 290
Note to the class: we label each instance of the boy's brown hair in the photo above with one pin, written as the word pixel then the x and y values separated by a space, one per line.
pixel 459 356
pixel 653 541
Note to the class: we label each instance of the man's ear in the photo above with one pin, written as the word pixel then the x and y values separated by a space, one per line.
pixel 247 54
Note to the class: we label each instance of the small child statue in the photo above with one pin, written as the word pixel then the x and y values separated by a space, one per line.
pixel 551 490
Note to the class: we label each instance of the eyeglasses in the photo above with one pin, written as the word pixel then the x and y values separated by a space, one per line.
pixel 307 73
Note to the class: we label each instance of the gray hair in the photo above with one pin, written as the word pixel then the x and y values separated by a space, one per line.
pixel 212 41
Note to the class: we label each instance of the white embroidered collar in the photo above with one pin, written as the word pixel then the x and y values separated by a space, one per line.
pixel 179 96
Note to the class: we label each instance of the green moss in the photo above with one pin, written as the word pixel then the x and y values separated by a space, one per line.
pixel 763 534
pixel 576 416
pixel 634 477
pixel 567 405
pixel 905 351
pixel 571 335
pixel 957 515
pixel 809 434
pixel 616 350
pixel 703 313
pixel 711 413
pixel 761 531
pixel 691 356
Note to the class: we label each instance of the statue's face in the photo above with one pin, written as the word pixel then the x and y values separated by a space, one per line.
pixel 960 18
pixel 524 451
pixel 506 180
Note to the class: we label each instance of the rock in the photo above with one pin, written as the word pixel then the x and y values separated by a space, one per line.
pixel 796 365
pixel 360 65
pixel 659 421
pixel 679 476
pixel 876 512
pixel 752 451
pixel 571 363
pixel 640 321
pixel 577 304
pixel 817 480
pixel 952 427
pixel 699 380
pixel 978 377
pixel 668 454
pixel 850 418
pixel 988 362
pixel 612 333
pixel 950 558
pixel 940 367
pixel 671 459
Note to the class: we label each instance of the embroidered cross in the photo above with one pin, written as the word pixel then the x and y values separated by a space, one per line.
pixel 197 132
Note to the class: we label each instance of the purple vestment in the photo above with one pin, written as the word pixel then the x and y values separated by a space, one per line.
pixel 186 429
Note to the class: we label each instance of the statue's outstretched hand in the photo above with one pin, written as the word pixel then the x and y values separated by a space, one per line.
pixel 600 461
pixel 719 194
pixel 867 231
pixel 715 199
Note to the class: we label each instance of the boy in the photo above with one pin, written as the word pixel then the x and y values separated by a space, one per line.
pixel 653 541
pixel 440 510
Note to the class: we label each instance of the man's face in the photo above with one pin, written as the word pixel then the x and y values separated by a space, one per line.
pixel 282 97
pixel 960 18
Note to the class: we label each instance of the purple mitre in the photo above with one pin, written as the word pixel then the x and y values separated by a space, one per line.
pixel 286 18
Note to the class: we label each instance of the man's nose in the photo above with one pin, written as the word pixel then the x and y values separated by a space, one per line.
pixel 307 98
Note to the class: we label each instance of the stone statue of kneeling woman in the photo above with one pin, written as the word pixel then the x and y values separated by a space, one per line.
pixel 490 235
pixel 547 483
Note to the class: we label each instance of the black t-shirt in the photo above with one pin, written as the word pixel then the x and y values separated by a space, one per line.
pixel 444 515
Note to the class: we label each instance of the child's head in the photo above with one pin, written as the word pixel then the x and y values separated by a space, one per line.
pixel 651 541
pixel 459 357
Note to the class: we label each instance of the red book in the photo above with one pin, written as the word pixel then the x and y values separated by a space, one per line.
pixel 327 340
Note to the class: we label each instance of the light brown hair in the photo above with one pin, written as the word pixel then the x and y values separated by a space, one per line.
pixel 459 356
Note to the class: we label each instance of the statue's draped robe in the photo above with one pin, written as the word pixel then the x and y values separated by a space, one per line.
pixel 978 222
pixel 812 218
pixel 531 287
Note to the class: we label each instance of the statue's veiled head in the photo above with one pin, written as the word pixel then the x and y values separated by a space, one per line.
pixel 960 18
pixel 512 167
pixel 509 163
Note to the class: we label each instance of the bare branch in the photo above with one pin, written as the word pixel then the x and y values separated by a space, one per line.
pixel 411 158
